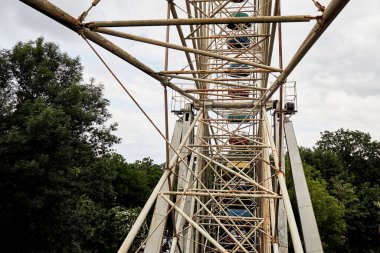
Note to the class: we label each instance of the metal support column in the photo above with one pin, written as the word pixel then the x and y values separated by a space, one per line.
pixel 282 232
pixel 158 224
pixel 308 223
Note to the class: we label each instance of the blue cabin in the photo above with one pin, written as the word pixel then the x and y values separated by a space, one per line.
pixel 239 42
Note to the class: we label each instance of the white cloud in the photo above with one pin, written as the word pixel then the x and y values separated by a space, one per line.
pixel 337 80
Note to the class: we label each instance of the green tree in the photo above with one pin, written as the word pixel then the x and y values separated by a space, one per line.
pixel 53 135
pixel 358 153
pixel 119 222
pixel 329 212
pixel 134 182
pixel 62 187
pixel 360 156
pixel 349 162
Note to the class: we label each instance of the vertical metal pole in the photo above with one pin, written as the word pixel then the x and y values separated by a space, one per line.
pixel 282 220
pixel 281 113
pixel 166 91
pixel 166 126
pixel 265 203
pixel 290 214
pixel 285 195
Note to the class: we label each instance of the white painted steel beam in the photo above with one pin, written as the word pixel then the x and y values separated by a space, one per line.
pixel 159 218
pixel 308 223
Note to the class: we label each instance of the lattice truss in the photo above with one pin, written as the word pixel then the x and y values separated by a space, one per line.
pixel 224 182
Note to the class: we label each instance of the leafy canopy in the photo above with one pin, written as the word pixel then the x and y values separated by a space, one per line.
pixel 62 188
pixel 345 167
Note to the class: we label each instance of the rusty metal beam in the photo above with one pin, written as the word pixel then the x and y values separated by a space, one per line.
pixel 213 71
pixel 70 22
pixel 183 40
pixel 330 13
pixel 234 105
pixel 201 21
pixel 182 48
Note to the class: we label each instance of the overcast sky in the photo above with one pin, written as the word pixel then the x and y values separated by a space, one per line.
pixel 338 82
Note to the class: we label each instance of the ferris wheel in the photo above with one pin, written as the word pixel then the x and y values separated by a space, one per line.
pixel 223 187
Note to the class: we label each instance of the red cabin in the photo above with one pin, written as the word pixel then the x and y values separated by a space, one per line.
pixel 238 92
pixel 235 140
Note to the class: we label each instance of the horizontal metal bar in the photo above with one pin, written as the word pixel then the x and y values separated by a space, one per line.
pixel 181 48
pixel 235 79
pixel 218 120
pixel 246 225
pixel 229 36
pixel 220 194
pixel 223 90
pixel 228 146
pixel 211 71
pixel 234 105
pixel 215 81
pixel 201 21
pixel 229 191
pixel 234 218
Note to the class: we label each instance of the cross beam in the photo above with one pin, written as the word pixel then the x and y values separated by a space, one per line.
pixel 201 21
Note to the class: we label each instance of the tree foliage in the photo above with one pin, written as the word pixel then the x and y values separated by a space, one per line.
pixel 60 182
pixel 328 210
pixel 360 155
pixel 346 166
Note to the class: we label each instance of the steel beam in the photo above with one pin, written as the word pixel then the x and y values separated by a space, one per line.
pixel 233 105
pixel 296 240
pixel 158 223
pixel 330 13
pixel 253 88
pixel 201 21
pixel 108 45
pixel 183 40
pixel 182 48
pixel 151 200
pixel 196 226
pixel 308 223
pixel 65 19
pixel 214 71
